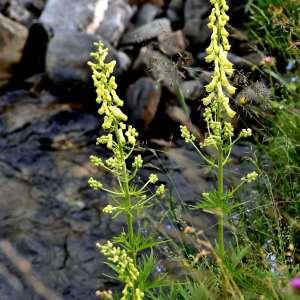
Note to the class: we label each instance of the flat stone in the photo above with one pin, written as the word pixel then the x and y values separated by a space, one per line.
pixel 147 32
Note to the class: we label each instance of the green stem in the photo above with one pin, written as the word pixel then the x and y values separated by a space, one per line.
pixel 125 186
pixel 220 236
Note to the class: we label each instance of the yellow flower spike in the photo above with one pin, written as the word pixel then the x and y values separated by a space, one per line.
pixel 117 113
pixel 217 53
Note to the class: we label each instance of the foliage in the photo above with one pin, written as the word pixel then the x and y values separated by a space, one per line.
pixel 275 26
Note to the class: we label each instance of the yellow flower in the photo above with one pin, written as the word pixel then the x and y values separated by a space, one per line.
pixel 217 53
pixel 153 178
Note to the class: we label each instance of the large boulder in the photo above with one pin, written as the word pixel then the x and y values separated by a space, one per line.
pixel 13 37
pixel 67 57
pixel 108 18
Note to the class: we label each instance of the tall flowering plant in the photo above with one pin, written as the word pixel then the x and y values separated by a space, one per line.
pixel 218 115
pixel 120 139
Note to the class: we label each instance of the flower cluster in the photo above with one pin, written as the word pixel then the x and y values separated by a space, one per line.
pixel 188 137
pixel 246 133
pixel 250 177
pixel 105 294
pixel 120 138
pixel 125 268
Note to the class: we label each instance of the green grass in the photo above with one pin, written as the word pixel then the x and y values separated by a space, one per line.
pixel 275 26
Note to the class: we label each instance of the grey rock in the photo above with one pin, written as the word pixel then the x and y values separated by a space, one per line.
pixel 35 4
pixel 176 5
pixel 24 11
pixel 67 57
pixel 114 23
pixel 192 89
pixel 3 5
pixel 13 37
pixel 106 17
pixel 175 10
pixel 195 9
pixel 196 31
pixel 147 32
pixel 19 12
pixel 142 100
pixel 171 43
pixel 195 22
pixel 147 14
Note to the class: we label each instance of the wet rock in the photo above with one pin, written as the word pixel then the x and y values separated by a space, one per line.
pixel 67 57
pixel 195 24
pixel 171 43
pixel 13 37
pixel 147 14
pixel 106 17
pixel 143 98
pixel 147 32
pixel 160 68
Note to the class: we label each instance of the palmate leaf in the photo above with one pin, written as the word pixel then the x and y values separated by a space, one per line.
pixel 147 279
pixel 215 203
pixel 140 242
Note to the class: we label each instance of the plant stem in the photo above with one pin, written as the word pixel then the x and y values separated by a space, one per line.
pixel 125 186
pixel 220 236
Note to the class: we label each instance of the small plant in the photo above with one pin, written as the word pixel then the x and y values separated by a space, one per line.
pixel 127 198
pixel 218 115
